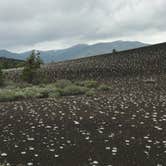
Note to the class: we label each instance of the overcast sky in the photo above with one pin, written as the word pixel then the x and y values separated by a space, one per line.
pixel 54 24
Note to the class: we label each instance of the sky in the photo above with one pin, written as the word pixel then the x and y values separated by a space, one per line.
pixel 57 24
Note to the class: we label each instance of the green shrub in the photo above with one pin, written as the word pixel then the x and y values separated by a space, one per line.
pixel 62 83
pixel 53 91
pixel 25 93
pixel 8 95
pixel 89 84
pixel 103 87
pixel 19 94
pixel 35 92
pixel 60 88
pixel 73 90
pixel 91 92
pixel 55 94
pixel 22 93
pixel 43 94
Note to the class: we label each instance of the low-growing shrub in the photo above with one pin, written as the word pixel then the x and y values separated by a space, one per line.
pixel 8 95
pixel 103 87
pixel 43 94
pixel 62 83
pixel 32 92
pixel 60 88
pixel 22 93
pixel 88 83
pixel 55 94
pixel 73 90
pixel 91 92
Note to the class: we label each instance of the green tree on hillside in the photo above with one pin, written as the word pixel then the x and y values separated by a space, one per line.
pixel 114 51
pixel 32 64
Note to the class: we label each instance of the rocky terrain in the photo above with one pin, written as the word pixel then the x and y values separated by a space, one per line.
pixel 124 127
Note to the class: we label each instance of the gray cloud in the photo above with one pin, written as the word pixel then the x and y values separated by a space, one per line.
pixel 29 23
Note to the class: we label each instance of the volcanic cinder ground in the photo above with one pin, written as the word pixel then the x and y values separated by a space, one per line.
pixel 123 127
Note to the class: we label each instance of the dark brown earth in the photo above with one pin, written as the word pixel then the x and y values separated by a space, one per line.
pixel 123 127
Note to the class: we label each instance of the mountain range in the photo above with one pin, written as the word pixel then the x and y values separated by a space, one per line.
pixel 77 51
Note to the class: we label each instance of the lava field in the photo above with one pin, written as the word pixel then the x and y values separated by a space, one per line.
pixel 125 127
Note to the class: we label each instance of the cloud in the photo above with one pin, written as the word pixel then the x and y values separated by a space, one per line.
pixel 29 23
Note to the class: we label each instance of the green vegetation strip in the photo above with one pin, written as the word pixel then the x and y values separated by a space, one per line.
pixel 14 92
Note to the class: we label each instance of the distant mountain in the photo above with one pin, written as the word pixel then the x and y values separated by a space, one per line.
pixel 7 54
pixel 77 51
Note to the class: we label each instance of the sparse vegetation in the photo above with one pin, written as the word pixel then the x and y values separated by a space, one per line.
pixel 60 88
pixel 91 92
pixel 55 94
pixel 88 83
pixel 74 90
pixel 63 83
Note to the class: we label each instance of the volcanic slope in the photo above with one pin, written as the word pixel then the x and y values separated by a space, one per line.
pixel 137 62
